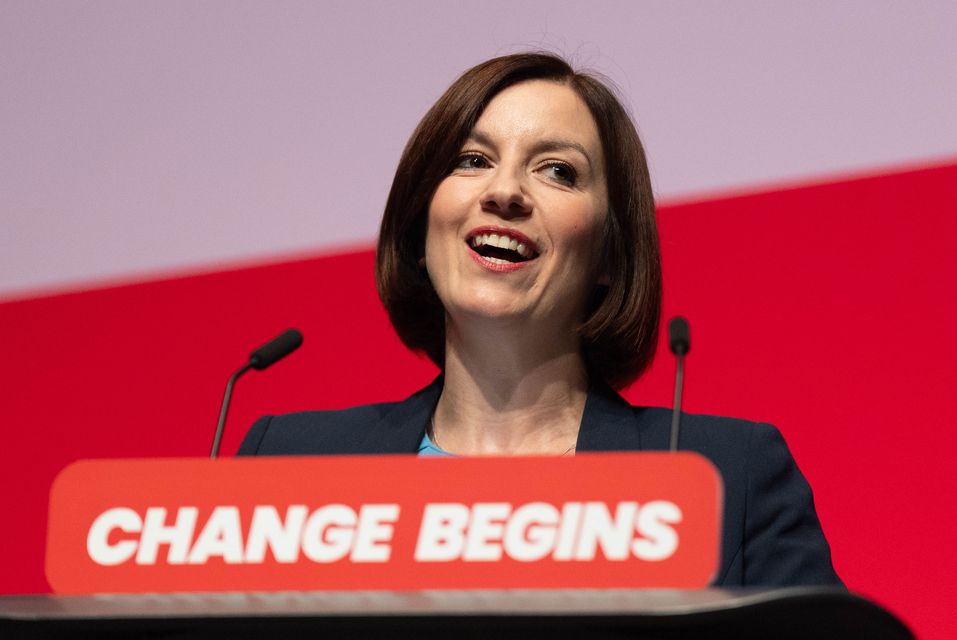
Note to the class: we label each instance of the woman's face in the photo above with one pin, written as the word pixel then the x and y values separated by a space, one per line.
pixel 514 231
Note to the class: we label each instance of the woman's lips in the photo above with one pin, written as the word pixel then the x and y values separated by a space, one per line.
pixel 496 264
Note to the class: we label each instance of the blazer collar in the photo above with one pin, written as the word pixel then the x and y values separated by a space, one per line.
pixel 609 423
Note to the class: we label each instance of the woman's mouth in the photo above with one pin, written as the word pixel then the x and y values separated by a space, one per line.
pixel 502 246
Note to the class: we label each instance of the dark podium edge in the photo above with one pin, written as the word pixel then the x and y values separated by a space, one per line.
pixel 798 612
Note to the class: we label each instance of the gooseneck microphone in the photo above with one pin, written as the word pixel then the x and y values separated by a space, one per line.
pixel 679 339
pixel 266 355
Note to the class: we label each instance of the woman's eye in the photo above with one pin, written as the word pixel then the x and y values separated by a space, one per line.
pixel 561 172
pixel 471 161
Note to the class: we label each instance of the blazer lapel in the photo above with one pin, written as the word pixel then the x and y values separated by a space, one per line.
pixel 401 428
pixel 609 423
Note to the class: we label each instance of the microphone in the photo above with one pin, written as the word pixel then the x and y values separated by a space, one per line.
pixel 263 357
pixel 679 339
pixel 275 350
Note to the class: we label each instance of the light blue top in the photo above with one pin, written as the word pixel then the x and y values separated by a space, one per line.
pixel 427 448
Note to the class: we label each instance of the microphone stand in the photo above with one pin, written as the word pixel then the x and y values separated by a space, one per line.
pixel 225 409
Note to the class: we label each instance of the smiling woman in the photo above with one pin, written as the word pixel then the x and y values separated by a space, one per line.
pixel 514 184
pixel 519 251
pixel 525 175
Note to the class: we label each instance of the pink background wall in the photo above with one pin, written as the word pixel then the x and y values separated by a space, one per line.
pixel 148 137
pixel 164 145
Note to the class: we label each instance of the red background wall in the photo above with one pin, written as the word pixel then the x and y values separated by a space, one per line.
pixel 826 309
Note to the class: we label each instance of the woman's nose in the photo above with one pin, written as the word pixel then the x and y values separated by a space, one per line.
pixel 505 194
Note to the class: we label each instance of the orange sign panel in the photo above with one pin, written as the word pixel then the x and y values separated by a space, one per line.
pixel 600 520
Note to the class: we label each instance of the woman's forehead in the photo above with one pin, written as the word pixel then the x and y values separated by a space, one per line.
pixel 539 110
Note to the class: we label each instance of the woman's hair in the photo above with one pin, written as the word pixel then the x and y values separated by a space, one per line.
pixel 619 334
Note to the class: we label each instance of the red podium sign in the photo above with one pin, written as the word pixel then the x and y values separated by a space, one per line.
pixel 604 520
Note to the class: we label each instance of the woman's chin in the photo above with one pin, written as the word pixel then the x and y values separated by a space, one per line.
pixel 482 312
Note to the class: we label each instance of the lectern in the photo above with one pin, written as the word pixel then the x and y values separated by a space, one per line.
pixel 616 545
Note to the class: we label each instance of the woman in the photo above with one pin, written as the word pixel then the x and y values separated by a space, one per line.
pixel 519 251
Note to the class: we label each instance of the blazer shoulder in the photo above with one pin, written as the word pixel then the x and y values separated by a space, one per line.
pixel 328 432
pixel 707 434
pixel 740 449
pixel 771 532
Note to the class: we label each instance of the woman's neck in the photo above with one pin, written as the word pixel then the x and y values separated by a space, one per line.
pixel 510 393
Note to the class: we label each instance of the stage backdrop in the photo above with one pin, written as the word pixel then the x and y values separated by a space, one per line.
pixel 180 182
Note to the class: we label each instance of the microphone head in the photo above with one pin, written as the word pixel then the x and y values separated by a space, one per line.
pixel 276 349
pixel 679 336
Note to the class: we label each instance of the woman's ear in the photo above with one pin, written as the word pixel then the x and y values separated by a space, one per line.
pixel 422 262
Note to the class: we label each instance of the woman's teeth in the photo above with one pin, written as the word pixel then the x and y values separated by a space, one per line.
pixel 496 241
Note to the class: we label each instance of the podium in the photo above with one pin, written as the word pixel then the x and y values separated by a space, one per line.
pixel 783 614
pixel 613 545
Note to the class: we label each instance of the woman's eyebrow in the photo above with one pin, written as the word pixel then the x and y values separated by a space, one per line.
pixel 540 146
pixel 544 146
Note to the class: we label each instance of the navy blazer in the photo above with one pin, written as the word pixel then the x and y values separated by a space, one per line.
pixel 771 535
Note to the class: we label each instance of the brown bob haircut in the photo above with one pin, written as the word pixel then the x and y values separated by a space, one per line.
pixel 619 335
